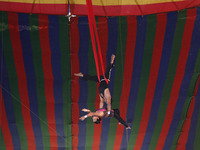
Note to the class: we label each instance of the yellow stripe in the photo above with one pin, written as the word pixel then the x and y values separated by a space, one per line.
pixel 95 2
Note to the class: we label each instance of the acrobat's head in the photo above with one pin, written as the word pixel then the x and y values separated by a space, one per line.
pixel 96 119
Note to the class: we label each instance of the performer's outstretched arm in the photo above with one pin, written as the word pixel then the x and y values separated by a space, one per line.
pixel 90 114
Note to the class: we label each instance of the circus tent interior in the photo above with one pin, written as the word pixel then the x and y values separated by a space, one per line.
pixel 155 81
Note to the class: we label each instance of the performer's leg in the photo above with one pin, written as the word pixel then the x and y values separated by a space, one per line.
pixel 108 71
pixel 117 116
pixel 87 77
pixel 109 67
pixel 91 78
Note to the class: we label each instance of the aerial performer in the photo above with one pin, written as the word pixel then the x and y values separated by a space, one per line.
pixel 104 92
pixel 96 116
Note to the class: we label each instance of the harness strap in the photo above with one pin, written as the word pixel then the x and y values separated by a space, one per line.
pixel 105 80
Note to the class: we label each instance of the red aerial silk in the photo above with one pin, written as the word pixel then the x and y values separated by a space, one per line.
pixel 93 29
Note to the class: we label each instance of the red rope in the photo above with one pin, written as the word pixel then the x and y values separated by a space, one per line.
pixel 97 38
pixel 93 39
pixel 93 29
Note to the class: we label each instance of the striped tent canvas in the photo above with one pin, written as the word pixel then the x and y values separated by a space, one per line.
pixel 154 83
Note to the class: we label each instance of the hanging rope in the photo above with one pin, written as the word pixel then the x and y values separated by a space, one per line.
pixel 127 138
pixel 32 7
pixel 93 33
pixel 1 78
pixel 69 15
pixel 97 37
pixel 27 107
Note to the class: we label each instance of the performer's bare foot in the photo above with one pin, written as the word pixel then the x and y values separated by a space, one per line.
pixel 112 59
pixel 78 74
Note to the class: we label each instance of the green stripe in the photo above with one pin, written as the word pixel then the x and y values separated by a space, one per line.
pixel 187 101
pixel 170 77
pixel 13 83
pixel 197 136
pixel 146 66
pixel 66 75
pixel 118 81
pixel 2 141
pixel 184 113
pixel 197 64
pixel 37 62
pixel 92 86
pixel 92 89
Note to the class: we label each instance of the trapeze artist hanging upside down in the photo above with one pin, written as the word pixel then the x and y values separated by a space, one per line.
pixel 104 95
pixel 104 92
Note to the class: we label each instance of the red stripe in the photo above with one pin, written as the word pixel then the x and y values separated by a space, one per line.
pixel 74 48
pixel 4 124
pixel 186 42
pixel 21 75
pixel 128 70
pixel 115 10
pixel 97 127
pixel 186 126
pixel 124 10
pixel 103 38
pixel 155 64
pixel 48 76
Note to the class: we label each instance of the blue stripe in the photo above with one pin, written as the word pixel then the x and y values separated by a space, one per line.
pixel 57 81
pixel 192 56
pixel 84 37
pixel 8 103
pixel 137 67
pixel 30 74
pixel 193 127
pixel 111 49
pixel 166 52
